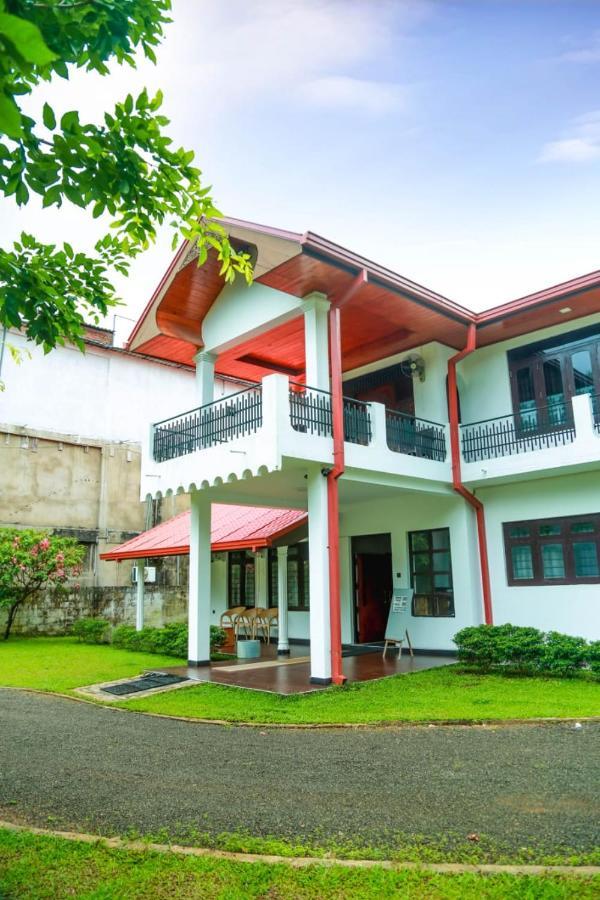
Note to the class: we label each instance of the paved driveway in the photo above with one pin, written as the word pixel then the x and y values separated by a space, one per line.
pixel 93 768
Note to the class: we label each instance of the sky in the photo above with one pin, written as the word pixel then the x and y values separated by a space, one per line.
pixel 457 143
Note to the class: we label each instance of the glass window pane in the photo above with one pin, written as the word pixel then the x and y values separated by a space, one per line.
pixel 444 604
pixel 553 563
pixel 441 562
pixel 546 529
pixel 519 531
pixel 422 605
pixel 442 582
pixel 421 562
pixel 526 395
pixel 582 372
pixel 423 584
pixel 522 562
pixel 586 559
pixel 249 587
pixel 440 539
pixel 582 528
pixel 419 540
pixel 555 397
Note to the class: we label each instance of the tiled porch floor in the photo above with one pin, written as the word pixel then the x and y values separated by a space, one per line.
pixel 292 675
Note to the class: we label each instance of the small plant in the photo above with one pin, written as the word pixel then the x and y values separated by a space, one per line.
pixel 593 657
pixel 91 631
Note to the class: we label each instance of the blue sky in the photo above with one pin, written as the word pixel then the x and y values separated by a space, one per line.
pixel 456 142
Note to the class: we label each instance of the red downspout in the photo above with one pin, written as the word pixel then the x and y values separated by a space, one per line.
pixel 457 484
pixel 333 516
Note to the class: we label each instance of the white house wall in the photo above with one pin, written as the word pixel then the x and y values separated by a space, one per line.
pixel 574 609
pixel 402 513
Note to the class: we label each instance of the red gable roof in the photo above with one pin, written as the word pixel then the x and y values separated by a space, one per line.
pixel 233 527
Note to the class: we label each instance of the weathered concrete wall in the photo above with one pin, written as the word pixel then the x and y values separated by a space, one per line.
pixel 55 615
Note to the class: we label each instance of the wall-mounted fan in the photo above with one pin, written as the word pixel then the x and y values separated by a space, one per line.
pixel 413 366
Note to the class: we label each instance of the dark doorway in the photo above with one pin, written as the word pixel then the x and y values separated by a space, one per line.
pixel 390 386
pixel 372 565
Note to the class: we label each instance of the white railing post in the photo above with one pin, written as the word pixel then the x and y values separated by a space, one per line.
pixel 378 426
pixel 583 418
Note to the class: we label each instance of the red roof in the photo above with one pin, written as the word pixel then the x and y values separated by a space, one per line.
pixel 233 527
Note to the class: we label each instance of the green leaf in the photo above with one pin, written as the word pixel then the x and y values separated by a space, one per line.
pixel 49 117
pixel 70 120
pixel 10 117
pixel 27 39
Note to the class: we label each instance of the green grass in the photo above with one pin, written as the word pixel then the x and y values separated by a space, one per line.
pixel 34 867
pixel 61 664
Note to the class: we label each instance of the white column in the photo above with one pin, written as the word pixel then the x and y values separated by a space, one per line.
pixel 199 591
pixel 320 638
pixel 139 595
pixel 205 377
pixel 316 340
pixel 283 643
pixel 261 576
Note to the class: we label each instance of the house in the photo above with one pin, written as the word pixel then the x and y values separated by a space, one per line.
pixel 433 448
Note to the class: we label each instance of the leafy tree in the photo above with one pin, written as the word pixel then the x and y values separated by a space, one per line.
pixel 126 166
pixel 31 562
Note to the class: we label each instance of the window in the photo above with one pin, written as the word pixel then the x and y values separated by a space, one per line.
pixel 546 374
pixel 297 577
pixel 241 579
pixel 564 550
pixel 431 573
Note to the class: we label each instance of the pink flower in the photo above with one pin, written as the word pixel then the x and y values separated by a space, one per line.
pixel 44 544
pixel 22 567
pixel 34 550
pixel 60 557
pixel 14 560
pixel 77 586
pixel 60 573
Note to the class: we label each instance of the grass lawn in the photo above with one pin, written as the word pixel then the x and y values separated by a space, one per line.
pixel 61 664
pixel 38 867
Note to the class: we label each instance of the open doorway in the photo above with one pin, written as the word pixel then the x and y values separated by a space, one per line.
pixel 372 568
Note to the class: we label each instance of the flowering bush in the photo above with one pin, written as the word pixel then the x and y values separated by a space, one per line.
pixel 31 562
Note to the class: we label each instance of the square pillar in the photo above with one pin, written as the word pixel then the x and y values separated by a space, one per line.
pixel 199 603
pixel 318 560
pixel 283 642
pixel 316 340
pixel 205 377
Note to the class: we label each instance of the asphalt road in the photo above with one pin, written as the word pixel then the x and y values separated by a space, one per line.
pixel 91 768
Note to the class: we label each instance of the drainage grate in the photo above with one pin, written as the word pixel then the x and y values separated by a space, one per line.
pixel 145 683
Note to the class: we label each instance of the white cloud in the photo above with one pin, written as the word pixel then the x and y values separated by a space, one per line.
pixel 580 145
pixel 590 53
pixel 346 93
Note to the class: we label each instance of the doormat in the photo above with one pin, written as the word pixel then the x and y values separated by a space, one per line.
pixel 148 682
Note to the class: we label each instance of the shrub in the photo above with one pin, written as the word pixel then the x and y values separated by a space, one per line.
pixel 171 640
pixel 563 654
pixel 518 649
pixel 91 631
pixel 593 657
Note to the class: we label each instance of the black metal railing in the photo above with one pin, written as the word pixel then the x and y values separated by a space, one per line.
pixel 535 429
pixel 310 413
pixel 415 437
pixel 357 422
pixel 596 412
pixel 216 423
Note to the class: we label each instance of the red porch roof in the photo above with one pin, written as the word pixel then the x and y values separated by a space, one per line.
pixel 233 528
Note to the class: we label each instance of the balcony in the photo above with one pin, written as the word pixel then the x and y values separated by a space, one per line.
pixel 544 438
pixel 279 423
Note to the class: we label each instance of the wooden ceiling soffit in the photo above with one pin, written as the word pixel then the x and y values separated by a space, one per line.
pixel 375 350
pixel 261 362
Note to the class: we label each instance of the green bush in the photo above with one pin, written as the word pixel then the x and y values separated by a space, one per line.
pixel 593 657
pixel 518 649
pixel 171 640
pixel 91 631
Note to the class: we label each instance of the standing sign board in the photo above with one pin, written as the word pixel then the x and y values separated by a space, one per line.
pixel 397 624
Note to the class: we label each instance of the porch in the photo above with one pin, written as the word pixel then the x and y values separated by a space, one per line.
pixel 292 675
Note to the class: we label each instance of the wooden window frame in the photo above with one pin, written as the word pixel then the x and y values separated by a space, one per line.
pixel 434 600
pixel 536 541
pixel 231 556
pixel 561 348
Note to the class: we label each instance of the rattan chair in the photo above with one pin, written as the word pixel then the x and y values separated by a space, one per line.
pixel 271 620
pixel 229 617
pixel 254 620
